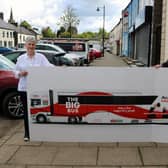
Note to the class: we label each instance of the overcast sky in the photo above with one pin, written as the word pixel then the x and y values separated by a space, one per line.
pixel 43 13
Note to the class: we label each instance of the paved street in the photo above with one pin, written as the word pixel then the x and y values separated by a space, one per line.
pixel 7 125
pixel 109 60
pixel 15 153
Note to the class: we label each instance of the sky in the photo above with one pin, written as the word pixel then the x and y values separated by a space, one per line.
pixel 44 13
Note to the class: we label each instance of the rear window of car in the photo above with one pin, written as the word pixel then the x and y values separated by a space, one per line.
pixel 13 56
pixel 78 47
pixel 49 56
pixel 42 47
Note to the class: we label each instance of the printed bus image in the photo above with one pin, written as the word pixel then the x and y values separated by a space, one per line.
pixel 96 107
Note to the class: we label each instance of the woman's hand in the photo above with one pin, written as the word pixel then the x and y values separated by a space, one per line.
pixel 157 66
pixel 23 73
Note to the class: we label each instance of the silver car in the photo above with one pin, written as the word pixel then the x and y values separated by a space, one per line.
pixel 76 59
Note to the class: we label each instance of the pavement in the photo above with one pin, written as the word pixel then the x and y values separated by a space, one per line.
pixel 110 60
pixel 15 153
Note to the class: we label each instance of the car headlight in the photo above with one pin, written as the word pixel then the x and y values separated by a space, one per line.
pixel 75 59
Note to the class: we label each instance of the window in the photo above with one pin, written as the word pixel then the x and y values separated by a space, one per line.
pixel 49 56
pixel 5 43
pixel 6 64
pixel 78 47
pixel 45 47
pixel 50 48
pixel 39 47
pixel 13 56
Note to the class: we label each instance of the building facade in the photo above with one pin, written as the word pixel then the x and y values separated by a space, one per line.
pixel 6 33
pixel 115 39
pixel 124 44
pixel 12 35
pixel 164 31
pixel 139 30
pixel 144 31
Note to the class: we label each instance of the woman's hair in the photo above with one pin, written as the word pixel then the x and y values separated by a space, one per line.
pixel 30 39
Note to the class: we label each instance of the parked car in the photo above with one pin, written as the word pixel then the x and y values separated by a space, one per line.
pixel 76 59
pixel 94 53
pixel 76 47
pixel 5 50
pixel 108 49
pixel 54 57
pixel 10 102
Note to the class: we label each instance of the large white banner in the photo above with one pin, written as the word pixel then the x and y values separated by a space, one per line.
pixel 98 104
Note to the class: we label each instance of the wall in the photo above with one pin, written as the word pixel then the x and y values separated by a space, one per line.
pixel 164 39
pixel 115 38
pixel 6 38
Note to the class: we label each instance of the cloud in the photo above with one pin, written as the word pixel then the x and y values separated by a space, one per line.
pixel 43 13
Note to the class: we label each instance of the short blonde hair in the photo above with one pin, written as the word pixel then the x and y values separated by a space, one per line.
pixel 30 39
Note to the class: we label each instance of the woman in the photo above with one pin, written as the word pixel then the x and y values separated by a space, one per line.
pixel 29 59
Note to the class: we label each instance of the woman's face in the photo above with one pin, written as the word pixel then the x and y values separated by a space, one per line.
pixel 30 46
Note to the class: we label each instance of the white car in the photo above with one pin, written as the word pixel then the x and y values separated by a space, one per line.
pixel 76 47
pixel 76 59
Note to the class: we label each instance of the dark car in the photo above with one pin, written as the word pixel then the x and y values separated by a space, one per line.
pixel 10 102
pixel 54 57
pixel 5 50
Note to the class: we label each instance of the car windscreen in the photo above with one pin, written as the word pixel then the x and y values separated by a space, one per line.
pixel 75 47
pixel 6 64
pixel 48 47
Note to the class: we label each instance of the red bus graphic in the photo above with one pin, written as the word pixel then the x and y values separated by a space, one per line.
pixel 98 107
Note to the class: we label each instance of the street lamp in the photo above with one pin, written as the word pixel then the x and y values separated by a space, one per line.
pixel 103 35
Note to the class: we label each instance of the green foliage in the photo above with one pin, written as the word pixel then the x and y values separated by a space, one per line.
pixel 25 24
pixel 93 35
pixel 47 32
pixel 65 35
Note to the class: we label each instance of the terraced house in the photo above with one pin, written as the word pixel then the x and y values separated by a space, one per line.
pixel 143 32
pixel 12 35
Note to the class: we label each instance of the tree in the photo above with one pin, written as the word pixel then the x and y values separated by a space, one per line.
pixel 100 33
pixel 69 20
pixel 60 31
pixel 47 32
pixel 25 24
pixel 73 30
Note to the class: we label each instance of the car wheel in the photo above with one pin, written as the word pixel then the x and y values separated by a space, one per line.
pixel 12 105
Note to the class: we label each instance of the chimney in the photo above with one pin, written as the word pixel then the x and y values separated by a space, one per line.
pixel 1 16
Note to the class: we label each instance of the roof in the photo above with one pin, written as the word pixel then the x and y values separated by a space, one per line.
pixel 5 25
pixel 19 29
pixel 23 30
